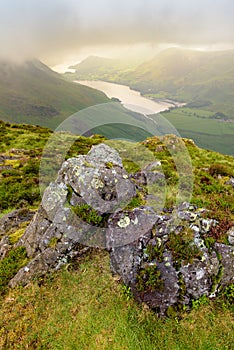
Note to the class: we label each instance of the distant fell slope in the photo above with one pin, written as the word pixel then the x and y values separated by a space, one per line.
pixel 95 68
pixel 32 93
pixel 202 79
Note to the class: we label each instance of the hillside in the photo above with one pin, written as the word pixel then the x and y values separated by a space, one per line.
pixel 21 148
pixel 100 67
pixel 82 306
pixel 33 93
pixel 202 79
pixel 94 67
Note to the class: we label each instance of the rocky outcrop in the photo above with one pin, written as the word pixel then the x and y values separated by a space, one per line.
pixel 95 185
pixel 171 262
pixel 167 258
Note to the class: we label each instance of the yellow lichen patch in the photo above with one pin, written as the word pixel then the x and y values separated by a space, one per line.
pixel 15 163
pixel 16 235
pixel 53 242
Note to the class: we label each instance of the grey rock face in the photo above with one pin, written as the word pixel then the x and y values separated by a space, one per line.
pixel 227 263
pixel 127 227
pixel 99 178
pixel 56 234
pixel 161 275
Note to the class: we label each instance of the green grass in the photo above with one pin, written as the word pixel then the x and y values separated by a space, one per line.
pixel 84 307
pixel 208 191
pixel 206 132
pixel 10 265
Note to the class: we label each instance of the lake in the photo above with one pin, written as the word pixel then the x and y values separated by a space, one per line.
pixel 130 99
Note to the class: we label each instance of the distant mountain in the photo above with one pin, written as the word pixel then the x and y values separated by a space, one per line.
pixel 32 93
pixel 202 79
pixel 95 68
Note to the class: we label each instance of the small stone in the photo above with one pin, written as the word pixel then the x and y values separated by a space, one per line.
pixel 230 182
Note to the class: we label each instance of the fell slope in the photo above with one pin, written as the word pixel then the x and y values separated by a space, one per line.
pixel 32 93
pixel 83 306
pixel 94 67
pixel 202 79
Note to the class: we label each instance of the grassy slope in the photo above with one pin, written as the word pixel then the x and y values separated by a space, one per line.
pixel 199 125
pixel 86 308
pixel 23 171
pixel 83 306
pixel 32 93
pixel 205 79
pixel 94 68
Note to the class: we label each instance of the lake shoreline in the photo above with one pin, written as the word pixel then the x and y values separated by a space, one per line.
pixel 131 99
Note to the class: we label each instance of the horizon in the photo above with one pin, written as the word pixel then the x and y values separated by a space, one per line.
pixel 145 54
pixel 63 31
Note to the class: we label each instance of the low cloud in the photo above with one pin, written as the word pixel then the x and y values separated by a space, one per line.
pixel 56 29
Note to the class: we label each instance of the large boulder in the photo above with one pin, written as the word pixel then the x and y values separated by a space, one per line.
pixel 94 185
pixel 170 262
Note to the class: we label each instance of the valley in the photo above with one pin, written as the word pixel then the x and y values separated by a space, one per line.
pixel 204 81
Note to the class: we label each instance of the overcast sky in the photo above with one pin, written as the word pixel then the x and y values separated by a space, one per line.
pixel 54 30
